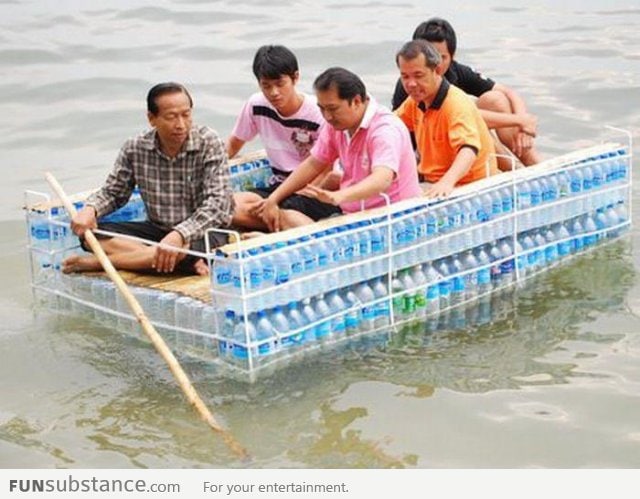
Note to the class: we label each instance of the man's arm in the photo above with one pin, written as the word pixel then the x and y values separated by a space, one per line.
pixel 301 177
pixel 459 168
pixel 379 180
pixel 112 195
pixel 234 144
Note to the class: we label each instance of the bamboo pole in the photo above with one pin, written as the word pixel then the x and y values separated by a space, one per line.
pixel 162 348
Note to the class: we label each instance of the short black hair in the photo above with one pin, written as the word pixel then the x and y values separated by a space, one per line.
pixel 162 89
pixel 346 83
pixel 437 29
pixel 273 62
pixel 414 48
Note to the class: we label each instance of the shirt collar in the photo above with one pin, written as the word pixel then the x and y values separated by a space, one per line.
pixel 369 113
pixel 437 101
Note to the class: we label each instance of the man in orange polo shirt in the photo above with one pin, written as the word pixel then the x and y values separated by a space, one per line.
pixel 454 143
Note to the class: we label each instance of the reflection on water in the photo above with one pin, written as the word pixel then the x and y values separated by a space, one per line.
pixel 540 376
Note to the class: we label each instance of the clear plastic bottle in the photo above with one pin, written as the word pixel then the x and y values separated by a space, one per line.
pixel 445 285
pixel 337 306
pixel 382 309
pixel 297 322
pixel 470 263
pixel 322 310
pixel 484 273
pixel 365 295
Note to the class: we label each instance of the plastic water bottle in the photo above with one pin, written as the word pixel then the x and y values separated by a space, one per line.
pixel 297 322
pixel 282 268
pixel 280 325
pixel 507 267
pixel 410 296
pixel 589 226
pixel 470 263
pixel 521 260
pixel 539 241
pixel 564 184
pixel 311 319
pixel 587 178
pixel 364 254
pixel 433 289
pixel 265 335
pixel 352 316
pixel 484 273
pixel 527 245
pixel 445 285
pixel 494 256
pixel 243 335
pixel 577 240
pixel 577 179
pixel 612 220
pixel 322 310
pixel 458 288
pixel 382 309
pixel 337 305
pixel 366 297
pixel 524 195
pixel 227 333
pixel 562 235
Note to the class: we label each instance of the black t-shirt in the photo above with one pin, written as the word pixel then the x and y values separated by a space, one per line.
pixel 461 76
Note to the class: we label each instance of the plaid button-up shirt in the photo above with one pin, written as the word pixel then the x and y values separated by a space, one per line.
pixel 189 193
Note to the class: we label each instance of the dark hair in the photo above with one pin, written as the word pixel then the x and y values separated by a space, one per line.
pixel 437 30
pixel 414 48
pixel 346 83
pixel 273 62
pixel 162 89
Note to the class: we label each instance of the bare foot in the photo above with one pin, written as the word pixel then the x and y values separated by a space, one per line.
pixel 77 263
pixel 251 235
pixel 200 267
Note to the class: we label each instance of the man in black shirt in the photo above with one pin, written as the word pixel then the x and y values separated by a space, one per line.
pixel 500 106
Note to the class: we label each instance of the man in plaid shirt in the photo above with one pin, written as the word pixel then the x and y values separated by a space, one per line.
pixel 181 170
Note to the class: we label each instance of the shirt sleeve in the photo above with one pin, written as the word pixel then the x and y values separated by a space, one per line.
pixel 472 82
pixel 383 148
pixel 118 186
pixel 325 149
pixel 246 128
pixel 217 208
pixel 462 127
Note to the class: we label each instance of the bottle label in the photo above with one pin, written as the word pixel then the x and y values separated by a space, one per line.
pixel 255 278
pixel 282 277
pixel 323 260
pixel 268 273
pixel 458 284
pixel 433 292
pixel 296 268
pixel 506 267
pixel 323 329
pixel 368 313
pixel 484 276
pixel 223 276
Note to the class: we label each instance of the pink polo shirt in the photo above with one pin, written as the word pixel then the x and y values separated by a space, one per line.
pixel 381 140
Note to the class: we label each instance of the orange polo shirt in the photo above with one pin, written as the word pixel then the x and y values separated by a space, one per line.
pixel 449 123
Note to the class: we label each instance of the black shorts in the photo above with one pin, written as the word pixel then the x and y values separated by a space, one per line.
pixel 314 209
pixel 152 232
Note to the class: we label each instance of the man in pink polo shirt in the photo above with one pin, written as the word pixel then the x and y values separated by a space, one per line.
pixel 373 146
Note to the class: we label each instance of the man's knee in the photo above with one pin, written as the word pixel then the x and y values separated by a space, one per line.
pixel 494 101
